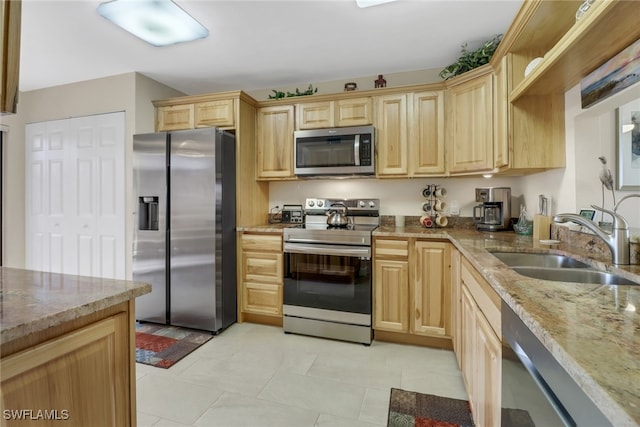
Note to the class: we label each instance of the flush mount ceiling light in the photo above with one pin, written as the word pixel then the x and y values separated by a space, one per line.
pixel 158 22
pixel 367 3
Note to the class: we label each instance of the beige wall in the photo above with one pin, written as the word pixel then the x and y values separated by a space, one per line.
pixel 131 93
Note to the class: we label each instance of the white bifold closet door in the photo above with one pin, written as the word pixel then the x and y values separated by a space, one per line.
pixel 75 196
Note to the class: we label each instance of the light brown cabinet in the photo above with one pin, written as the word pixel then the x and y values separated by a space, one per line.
pixel 274 142
pixel 261 274
pixel 480 348
pixel 391 285
pixel 456 310
pixel 174 117
pixel 339 113
pixel 411 287
pixel 470 121
pixel 431 293
pixel 10 18
pixel 219 113
pixel 84 369
pixel 391 135
pixel 426 134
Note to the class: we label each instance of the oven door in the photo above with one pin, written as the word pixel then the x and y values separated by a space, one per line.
pixel 328 277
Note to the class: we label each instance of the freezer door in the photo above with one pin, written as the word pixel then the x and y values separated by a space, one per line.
pixel 150 224
pixel 192 204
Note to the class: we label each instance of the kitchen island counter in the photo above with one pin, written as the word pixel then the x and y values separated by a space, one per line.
pixel 64 337
pixel 32 301
pixel 592 330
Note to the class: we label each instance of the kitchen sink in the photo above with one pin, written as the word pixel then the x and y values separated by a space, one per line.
pixel 525 259
pixel 574 275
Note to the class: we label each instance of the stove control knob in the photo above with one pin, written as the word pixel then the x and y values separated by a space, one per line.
pixel 311 203
pixel 320 203
pixel 361 204
pixel 372 204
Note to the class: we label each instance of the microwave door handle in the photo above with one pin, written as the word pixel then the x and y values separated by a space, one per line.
pixel 356 150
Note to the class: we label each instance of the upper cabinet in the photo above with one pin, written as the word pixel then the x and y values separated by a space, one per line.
pixel 391 135
pixel 174 117
pixel 339 113
pixel 569 49
pixel 10 13
pixel 426 134
pixel 410 134
pixel 470 121
pixel 220 113
pixel 274 142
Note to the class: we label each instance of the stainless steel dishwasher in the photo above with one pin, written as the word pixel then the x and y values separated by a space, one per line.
pixel 534 381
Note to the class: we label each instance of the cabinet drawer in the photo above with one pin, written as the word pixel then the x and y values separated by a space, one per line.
pixel 214 113
pixel 262 267
pixel 262 298
pixel 391 248
pixel 262 242
pixel 486 298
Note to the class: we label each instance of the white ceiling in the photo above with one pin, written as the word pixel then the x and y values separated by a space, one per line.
pixel 257 44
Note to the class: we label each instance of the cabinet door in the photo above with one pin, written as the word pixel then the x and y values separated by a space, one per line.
pixel 471 125
pixel 274 142
pixel 391 295
pixel 314 115
pixel 85 373
pixel 10 15
pixel 214 113
pixel 456 310
pixel 501 116
pixel 431 295
pixel 487 408
pixel 262 298
pixel 426 133
pixel 468 341
pixel 174 117
pixel 391 134
pixel 354 112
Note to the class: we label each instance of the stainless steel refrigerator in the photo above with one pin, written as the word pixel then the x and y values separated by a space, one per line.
pixel 184 221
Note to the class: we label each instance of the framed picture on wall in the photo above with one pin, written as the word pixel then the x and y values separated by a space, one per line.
pixel 628 145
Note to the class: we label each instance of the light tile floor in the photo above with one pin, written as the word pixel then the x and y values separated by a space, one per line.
pixel 255 375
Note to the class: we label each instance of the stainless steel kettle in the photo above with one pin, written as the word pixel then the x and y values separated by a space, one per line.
pixel 337 217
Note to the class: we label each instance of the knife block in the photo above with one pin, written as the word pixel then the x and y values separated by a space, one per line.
pixel 541 227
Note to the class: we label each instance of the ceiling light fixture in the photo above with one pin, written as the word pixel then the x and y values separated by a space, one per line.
pixel 158 22
pixel 367 3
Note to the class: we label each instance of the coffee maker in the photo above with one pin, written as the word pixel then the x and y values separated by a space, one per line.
pixel 494 212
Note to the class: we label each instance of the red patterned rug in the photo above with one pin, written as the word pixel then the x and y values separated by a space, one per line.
pixel 163 346
pixel 411 409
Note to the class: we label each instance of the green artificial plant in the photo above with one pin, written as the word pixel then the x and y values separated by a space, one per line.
pixel 277 94
pixel 470 60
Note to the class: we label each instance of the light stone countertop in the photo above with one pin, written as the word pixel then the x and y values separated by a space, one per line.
pixel 590 329
pixel 32 301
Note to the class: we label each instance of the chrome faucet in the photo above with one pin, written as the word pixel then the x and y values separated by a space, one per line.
pixel 615 208
pixel 617 240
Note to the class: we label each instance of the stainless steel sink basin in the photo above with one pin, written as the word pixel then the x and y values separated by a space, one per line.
pixel 574 275
pixel 525 259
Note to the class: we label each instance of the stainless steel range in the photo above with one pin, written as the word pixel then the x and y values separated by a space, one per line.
pixel 328 270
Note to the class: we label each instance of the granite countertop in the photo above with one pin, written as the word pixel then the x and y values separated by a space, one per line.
pixel 32 301
pixel 592 330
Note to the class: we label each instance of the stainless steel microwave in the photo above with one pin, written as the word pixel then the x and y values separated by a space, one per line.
pixel 335 151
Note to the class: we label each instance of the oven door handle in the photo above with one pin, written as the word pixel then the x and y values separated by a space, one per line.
pixel 336 250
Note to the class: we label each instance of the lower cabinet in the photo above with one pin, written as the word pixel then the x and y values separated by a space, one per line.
pixel 480 351
pixel 261 264
pixel 411 287
pixel 84 376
